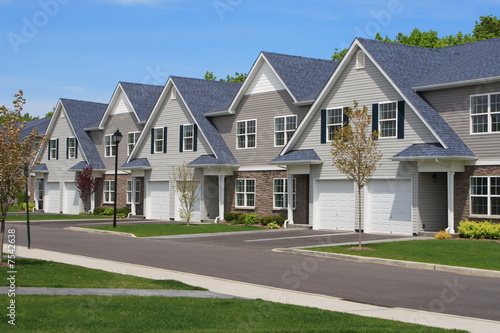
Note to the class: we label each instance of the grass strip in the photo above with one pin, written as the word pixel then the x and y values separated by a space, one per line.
pixel 41 273
pixel 175 315
pixel 453 252
pixel 151 230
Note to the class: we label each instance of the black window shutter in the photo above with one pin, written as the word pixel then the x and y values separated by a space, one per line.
pixel 152 141
pixel 164 139
pixel 345 118
pixel 67 148
pixel 375 117
pixel 323 126
pixel 401 119
pixel 48 149
pixel 195 137
pixel 57 149
pixel 76 148
pixel 181 139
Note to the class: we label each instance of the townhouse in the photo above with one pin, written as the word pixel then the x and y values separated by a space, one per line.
pixel 264 145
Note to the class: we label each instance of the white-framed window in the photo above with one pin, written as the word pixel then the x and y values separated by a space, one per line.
pixel 109 191
pixel 485 196
pixel 245 193
pixel 71 148
pixel 284 127
pixel 132 138
pixel 388 120
pixel 188 137
pixel 334 121
pixel 158 140
pixel 360 59
pixel 109 146
pixel 53 147
pixel 485 113
pixel 134 189
pixel 280 193
pixel 246 134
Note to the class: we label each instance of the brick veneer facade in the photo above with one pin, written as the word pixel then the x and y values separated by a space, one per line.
pixel 462 191
pixel 264 194
pixel 121 191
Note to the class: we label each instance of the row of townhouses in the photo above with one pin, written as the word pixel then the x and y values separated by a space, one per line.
pixel 264 145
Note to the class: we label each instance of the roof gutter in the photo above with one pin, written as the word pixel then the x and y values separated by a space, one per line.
pixel 457 84
pixel 304 103
pixel 429 158
pixel 295 162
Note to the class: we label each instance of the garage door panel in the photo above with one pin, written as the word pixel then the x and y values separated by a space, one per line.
pixel 158 198
pixel 52 198
pixel 71 200
pixel 335 204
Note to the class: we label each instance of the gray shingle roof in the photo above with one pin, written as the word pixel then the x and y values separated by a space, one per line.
pixel 40 168
pixel 40 125
pixel 305 77
pixel 206 160
pixel 424 150
pixel 82 115
pixel 139 163
pixel 80 166
pixel 203 97
pixel 143 97
pixel 306 155
pixel 407 66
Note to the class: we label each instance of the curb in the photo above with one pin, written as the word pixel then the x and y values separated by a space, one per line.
pixel 96 231
pixel 397 263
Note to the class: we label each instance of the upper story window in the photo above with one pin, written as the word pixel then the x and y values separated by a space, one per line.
pixel 54 149
pixel 334 121
pixel 485 113
pixel 245 193
pixel 485 195
pixel 71 148
pixel 187 138
pixel 284 127
pixel 246 134
pixel 109 146
pixel 158 139
pixel 388 120
pixel 132 138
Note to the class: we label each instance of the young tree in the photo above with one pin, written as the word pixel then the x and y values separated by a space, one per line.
pixel 355 151
pixel 87 185
pixel 186 189
pixel 16 154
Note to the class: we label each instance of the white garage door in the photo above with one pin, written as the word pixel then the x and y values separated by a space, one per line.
pixel 71 200
pixel 158 200
pixel 335 205
pixel 389 207
pixel 52 198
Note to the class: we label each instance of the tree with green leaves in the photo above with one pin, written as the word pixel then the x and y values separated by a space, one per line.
pixel 186 188
pixel 487 27
pixel 17 155
pixel 355 151
pixel 239 77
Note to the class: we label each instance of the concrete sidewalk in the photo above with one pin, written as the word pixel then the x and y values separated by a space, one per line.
pixel 251 291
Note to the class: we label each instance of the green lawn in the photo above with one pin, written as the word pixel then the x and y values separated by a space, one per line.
pixel 175 315
pixel 150 230
pixel 453 252
pixel 14 209
pixel 49 217
pixel 40 273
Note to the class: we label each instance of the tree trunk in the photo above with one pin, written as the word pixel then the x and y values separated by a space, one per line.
pixel 359 217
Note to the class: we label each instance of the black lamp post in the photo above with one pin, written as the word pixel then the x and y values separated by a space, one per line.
pixel 27 174
pixel 117 137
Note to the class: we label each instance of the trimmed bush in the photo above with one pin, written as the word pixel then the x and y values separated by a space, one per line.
pixel 443 234
pixel 232 216
pixel 479 230
pixel 279 220
pixel 251 218
pixel 99 211
pixel 273 225
pixel 22 206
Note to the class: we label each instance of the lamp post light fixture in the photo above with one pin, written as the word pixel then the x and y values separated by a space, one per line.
pixel 27 175
pixel 117 137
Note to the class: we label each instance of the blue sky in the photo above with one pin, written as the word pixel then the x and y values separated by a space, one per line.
pixel 81 49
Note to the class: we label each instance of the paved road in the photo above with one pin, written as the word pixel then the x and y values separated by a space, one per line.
pixel 248 258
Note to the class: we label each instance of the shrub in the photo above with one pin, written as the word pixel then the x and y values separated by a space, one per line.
pixel 251 218
pixel 443 234
pixel 108 211
pixel 273 225
pixel 21 198
pixel 99 211
pixel 265 220
pixel 232 217
pixel 22 205
pixel 485 229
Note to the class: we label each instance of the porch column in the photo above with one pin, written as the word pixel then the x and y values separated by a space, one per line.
pixel 290 197
pixel 221 195
pixel 132 204
pixel 451 201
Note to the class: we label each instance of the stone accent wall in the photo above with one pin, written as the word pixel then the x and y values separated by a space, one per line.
pixel 264 194
pixel 121 191
pixel 462 191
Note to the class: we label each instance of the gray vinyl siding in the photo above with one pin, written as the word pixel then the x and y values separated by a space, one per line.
pixel 173 113
pixel 263 107
pixel 454 106
pixel 367 86
pixel 59 168
pixel 433 201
